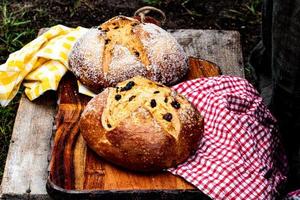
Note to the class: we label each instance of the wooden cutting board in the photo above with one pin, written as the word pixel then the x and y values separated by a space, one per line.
pixel 76 172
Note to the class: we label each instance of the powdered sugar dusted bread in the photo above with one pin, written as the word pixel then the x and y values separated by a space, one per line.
pixel 141 125
pixel 122 48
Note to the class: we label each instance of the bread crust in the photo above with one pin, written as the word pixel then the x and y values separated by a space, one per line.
pixel 139 142
pixel 122 48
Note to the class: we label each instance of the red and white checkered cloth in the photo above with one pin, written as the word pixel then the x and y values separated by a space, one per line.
pixel 239 156
pixel 294 195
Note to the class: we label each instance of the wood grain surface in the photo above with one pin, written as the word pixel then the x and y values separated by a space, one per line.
pixel 74 166
pixel 25 173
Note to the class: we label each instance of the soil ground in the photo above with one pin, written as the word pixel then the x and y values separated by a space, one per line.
pixel 241 15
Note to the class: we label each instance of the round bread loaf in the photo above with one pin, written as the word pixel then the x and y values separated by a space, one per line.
pixel 141 125
pixel 122 48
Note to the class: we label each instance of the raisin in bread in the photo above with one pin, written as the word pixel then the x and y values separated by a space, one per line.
pixel 141 125
pixel 122 48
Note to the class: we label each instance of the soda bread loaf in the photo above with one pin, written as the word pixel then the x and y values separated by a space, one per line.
pixel 122 48
pixel 141 125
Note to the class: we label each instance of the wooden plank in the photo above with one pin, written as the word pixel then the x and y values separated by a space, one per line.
pixel 26 167
pixel 220 47
pixel 27 160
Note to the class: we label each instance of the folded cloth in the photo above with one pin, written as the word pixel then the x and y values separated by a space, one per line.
pixel 240 155
pixel 41 63
pixel 294 195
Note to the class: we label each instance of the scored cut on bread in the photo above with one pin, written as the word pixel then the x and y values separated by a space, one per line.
pixel 124 47
pixel 141 125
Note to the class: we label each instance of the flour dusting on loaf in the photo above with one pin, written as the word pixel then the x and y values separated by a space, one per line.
pixel 172 62
pixel 122 48
pixel 123 65
pixel 85 59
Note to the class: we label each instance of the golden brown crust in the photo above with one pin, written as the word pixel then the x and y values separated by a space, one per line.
pixel 122 48
pixel 139 142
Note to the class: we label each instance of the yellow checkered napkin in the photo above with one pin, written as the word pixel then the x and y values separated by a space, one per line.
pixel 41 64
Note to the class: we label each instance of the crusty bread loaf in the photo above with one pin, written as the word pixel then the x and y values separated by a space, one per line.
pixel 141 125
pixel 122 48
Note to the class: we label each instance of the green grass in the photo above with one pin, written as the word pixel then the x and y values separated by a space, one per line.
pixel 15 32
pixel 250 12
pixel 153 2
pixel 255 7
